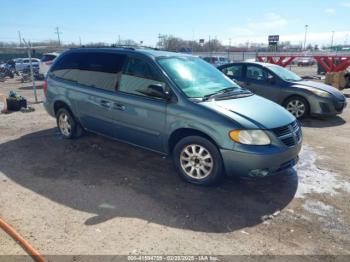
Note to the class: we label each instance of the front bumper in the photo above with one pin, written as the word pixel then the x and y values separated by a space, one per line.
pixel 259 163
pixel 327 107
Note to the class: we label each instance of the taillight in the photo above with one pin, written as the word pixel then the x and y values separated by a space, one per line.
pixel 45 87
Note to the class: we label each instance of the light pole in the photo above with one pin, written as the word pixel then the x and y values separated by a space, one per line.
pixel 332 39
pixel 306 28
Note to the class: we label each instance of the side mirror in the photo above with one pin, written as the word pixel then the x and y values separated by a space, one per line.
pixel 158 90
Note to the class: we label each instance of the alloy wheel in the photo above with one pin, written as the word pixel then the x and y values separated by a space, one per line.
pixel 196 161
pixel 65 124
pixel 296 107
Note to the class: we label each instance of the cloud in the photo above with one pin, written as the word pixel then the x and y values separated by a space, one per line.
pixel 257 31
pixel 313 38
pixel 242 31
pixel 346 4
pixel 330 11
pixel 270 21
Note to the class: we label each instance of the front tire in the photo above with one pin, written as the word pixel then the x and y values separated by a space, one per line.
pixel 198 161
pixel 66 123
pixel 297 106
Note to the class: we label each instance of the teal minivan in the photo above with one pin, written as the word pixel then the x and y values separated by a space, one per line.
pixel 174 104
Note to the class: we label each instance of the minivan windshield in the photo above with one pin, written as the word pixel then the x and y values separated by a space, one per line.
pixel 284 73
pixel 195 77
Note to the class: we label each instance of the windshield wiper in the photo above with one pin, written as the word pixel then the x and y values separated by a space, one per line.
pixel 218 93
pixel 222 93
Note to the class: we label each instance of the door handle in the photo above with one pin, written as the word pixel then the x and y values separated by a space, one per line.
pixel 105 103
pixel 119 107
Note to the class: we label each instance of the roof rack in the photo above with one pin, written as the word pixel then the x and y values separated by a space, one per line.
pixel 129 47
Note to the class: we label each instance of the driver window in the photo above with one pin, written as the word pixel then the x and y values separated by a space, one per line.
pixel 257 73
pixel 137 76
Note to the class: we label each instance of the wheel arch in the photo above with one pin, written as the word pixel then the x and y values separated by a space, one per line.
pixel 60 103
pixel 296 96
pixel 181 133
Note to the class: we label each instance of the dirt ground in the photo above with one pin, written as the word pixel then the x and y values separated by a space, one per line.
pixel 96 196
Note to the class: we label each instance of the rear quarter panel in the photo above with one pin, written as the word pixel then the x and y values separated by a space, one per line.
pixel 60 91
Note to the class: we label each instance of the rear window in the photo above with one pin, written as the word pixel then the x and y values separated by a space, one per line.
pixel 47 58
pixel 99 70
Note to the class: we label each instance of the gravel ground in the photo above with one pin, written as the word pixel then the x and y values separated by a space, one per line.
pixel 95 196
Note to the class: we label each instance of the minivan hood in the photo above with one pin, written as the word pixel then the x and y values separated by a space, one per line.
pixel 330 89
pixel 252 112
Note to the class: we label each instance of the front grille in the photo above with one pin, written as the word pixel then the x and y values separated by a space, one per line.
pixel 325 108
pixel 290 135
pixel 339 106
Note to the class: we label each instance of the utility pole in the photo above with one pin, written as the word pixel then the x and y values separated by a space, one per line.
pixel 192 41
pixel 229 49
pixel 332 39
pixel 306 28
pixel 79 40
pixel 29 51
pixel 209 45
pixel 160 43
pixel 58 35
pixel 20 38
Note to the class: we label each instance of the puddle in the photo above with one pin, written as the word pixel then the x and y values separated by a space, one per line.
pixel 315 180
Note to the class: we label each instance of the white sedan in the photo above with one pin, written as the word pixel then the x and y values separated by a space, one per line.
pixel 24 63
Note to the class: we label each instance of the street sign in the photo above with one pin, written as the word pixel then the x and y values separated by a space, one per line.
pixel 273 39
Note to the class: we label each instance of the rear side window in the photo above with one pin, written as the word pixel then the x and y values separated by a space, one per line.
pixel 99 70
pixel 210 59
pixel 233 71
pixel 207 59
pixel 256 73
pixel 67 68
pixel 47 58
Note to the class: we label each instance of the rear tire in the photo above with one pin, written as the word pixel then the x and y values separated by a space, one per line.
pixel 198 161
pixel 67 125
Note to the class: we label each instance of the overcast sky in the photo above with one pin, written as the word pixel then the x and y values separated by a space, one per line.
pixel 143 20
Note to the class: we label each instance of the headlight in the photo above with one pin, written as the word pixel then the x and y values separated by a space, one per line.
pixel 250 137
pixel 318 92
